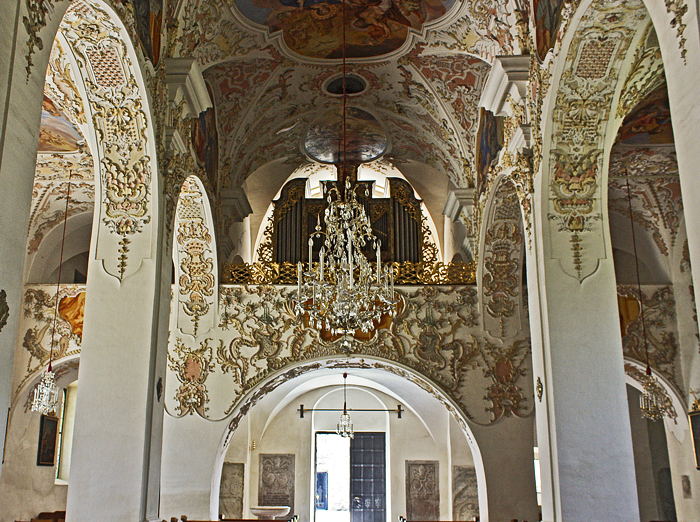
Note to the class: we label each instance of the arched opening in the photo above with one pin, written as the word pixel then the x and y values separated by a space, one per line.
pixel 431 438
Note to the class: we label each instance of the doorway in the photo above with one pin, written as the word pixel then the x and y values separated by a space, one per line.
pixel 350 478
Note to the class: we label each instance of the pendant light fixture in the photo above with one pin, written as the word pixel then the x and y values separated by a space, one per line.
pixel 343 293
pixel 46 393
pixel 651 401
pixel 344 427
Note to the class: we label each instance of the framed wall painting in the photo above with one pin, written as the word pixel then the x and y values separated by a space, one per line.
pixel 46 452
pixel 694 419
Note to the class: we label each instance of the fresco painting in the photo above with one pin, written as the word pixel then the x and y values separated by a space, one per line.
pixel 548 17
pixel 149 21
pixel 649 123
pixel 57 133
pixel 490 142
pixel 313 28
pixel 365 139
pixel 205 140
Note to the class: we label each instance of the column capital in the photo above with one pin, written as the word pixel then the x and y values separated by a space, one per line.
pixel 185 82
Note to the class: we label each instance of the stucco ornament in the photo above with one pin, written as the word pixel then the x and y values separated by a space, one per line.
pixel 436 334
pixel 192 367
pixel 645 75
pixel 581 112
pixel 502 256
pixel 39 340
pixel 660 327
pixel 116 109
pixel 196 264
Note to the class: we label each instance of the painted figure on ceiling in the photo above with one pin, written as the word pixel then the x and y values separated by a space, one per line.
pixel 313 28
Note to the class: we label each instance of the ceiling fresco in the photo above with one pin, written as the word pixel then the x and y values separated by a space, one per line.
pixel 268 62
pixel 645 155
pixel 313 28
pixel 57 132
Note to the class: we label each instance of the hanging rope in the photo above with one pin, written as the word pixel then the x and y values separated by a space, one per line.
pixel 639 285
pixel 60 268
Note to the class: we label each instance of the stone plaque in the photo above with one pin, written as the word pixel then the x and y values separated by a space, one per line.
pixel 422 490
pixel 276 486
pixel 231 493
pixel 465 495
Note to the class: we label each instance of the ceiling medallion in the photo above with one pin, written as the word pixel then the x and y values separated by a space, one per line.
pixel 354 85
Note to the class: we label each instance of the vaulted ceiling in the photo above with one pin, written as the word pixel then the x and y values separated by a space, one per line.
pixel 268 64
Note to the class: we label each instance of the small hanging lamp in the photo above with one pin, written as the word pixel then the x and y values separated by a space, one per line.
pixel 344 427
pixel 651 402
pixel 46 392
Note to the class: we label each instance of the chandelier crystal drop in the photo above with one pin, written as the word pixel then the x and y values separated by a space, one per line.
pixel 46 394
pixel 343 292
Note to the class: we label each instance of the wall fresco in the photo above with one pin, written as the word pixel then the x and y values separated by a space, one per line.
pixel 660 325
pixel 57 133
pixel 548 15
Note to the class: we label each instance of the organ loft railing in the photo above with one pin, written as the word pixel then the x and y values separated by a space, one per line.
pixel 406 242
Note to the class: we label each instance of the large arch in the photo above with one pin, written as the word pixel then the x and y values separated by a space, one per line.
pixel 587 465
pixel 188 492
pixel 126 262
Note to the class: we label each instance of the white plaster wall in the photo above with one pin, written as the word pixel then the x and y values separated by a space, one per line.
pixel 25 488
pixel 187 465
pixel 646 487
pixel 20 99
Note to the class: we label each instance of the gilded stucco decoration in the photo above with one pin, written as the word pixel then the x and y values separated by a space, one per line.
pixel 581 112
pixel 505 366
pixel 195 260
pixel 49 207
pixel 660 325
pixel 646 73
pixel 61 87
pixel 637 162
pixel 34 22
pixel 116 109
pixel 39 307
pixel 436 334
pixel 191 367
pixel 502 255
pixel 678 9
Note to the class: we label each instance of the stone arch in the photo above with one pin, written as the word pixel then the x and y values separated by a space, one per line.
pixel 194 256
pixel 502 254
pixel 578 129
pixel 121 135
pixel 272 382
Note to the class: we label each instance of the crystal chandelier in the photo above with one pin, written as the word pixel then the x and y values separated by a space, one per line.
pixel 45 396
pixel 343 293
pixel 344 427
